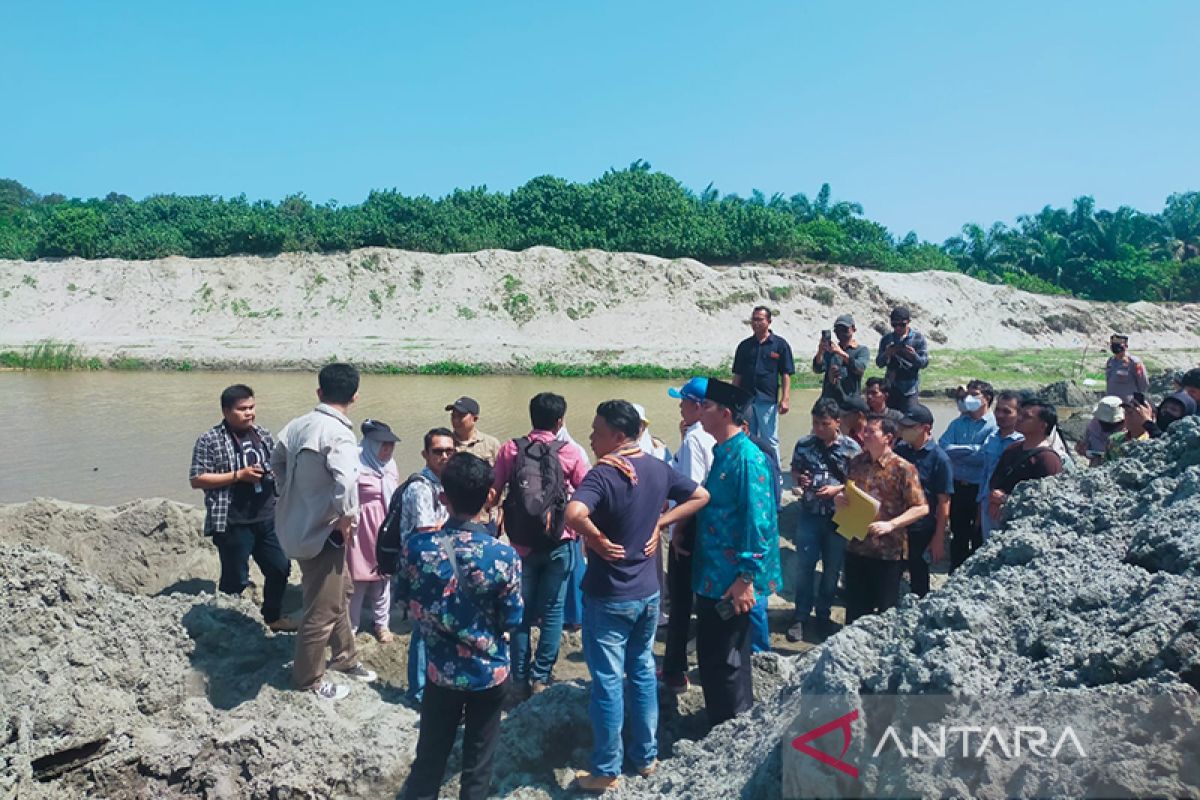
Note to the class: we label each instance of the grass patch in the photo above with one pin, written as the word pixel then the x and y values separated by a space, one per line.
pixel 436 368
pixel 517 303
pixel 370 263
pixel 465 313
pixel 29 280
pixel 715 304
pixel 780 293
pixel 823 295
pixel 49 355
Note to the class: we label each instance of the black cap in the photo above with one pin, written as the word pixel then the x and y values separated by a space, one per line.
pixel 464 405
pixel 917 414
pixel 901 313
pixel 855 403
pixel 1191 378
pixel 844 321
pixel 726 394
pixel 378 431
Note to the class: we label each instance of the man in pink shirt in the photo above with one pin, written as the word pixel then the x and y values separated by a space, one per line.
pixel 540 473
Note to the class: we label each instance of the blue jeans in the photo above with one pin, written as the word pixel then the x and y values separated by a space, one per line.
pixel 764 423
pixel 817 539
pixel 760 632
pixel 618 640
pixel 236 545
pixel 416 666
pixel 545 578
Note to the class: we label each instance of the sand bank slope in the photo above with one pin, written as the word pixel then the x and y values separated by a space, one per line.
pixel 508 309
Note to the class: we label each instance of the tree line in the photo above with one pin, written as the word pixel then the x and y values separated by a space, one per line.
pixel 1121 255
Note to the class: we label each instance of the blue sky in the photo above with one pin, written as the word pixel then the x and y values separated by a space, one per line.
pixel 930 114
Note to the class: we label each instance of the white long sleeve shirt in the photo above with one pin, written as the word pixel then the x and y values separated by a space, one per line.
pixel 316 468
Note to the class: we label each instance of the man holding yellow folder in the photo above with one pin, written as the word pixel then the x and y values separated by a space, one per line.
pixel 875 562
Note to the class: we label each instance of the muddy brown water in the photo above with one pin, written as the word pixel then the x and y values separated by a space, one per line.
pixel 110 437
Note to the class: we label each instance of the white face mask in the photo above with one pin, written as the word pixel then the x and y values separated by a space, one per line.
pixel 970 404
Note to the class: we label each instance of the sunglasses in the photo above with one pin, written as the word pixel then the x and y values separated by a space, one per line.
pixel 442 451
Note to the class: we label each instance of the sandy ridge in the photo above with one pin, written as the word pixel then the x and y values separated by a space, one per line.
pixel 510 309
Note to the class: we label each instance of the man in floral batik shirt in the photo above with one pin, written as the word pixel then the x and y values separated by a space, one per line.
pixel 464 589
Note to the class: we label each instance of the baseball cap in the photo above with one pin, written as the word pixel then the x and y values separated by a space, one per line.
pixel 1109 410
pixel 693 390
pixel 464 405
pixel 378 431
pixel 917 414
pixel 641 409
pixel 726 394
pixel 856 403
pixel 844 321
pixel 901 313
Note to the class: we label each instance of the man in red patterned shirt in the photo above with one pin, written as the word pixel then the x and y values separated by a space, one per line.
pixel 874 564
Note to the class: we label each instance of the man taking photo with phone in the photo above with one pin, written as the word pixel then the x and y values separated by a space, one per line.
pixel 841 359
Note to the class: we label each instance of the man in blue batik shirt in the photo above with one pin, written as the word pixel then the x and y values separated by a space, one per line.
pixel 736 553
pixel 464 587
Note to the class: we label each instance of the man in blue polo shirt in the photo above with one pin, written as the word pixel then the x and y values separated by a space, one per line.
pixel 937 481
pixel 763 366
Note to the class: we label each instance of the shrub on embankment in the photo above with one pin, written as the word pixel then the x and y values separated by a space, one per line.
pixel 1121 255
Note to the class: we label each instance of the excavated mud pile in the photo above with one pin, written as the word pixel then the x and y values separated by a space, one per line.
pixel 1093 588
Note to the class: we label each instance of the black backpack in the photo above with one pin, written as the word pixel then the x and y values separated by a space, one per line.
pixel 389 544
pixel 535 510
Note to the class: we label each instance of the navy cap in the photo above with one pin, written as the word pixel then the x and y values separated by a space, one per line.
pixel 901 313
pixel 844 321
pixel 855 403
pixel 917 414
pixel 378 431
pixel 464 405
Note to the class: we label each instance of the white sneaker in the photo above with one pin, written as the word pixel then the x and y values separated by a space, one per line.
pixel 328 690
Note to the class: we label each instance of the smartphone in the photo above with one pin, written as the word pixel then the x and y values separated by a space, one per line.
pixel 826 336
pixel 1139 398
pixel 725 609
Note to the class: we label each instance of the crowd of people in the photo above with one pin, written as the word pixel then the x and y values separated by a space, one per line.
pixel 493 539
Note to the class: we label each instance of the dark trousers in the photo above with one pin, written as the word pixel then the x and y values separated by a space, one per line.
pixel 918 570
pixel 679 590
pixel 901 402
pixel 965 534
pixel 872 585
pixel 235 547
pixel 723 650
pixel 441 710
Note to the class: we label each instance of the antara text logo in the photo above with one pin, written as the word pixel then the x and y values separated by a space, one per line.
pixel 965 741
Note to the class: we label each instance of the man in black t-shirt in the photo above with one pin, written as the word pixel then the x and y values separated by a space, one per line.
pixel 1026 460
pixel 231 463
pixel 617 509
pixel 764 367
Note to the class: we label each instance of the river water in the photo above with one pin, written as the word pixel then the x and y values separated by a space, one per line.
pixel 110 437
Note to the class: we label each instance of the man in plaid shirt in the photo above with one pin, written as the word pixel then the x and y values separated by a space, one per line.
pixel 231 463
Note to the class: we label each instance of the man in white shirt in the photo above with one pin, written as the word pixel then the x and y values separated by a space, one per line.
pixel 693 459
pixel 315 462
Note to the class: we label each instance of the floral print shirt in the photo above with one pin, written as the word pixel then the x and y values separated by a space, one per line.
pixel 463 609
pixel 894 482
pixel 738 531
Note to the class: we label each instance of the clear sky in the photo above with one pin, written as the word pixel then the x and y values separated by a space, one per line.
pixel 930 114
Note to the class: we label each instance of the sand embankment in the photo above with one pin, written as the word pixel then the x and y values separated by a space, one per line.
pixel 508 310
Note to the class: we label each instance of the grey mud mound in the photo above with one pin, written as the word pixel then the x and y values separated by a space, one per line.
pixel 1093 588
pixel 125 696
pixel 147 546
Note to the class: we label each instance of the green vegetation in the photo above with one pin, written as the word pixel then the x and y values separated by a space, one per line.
pixel 465 313
pixel 517 303
pixel 823 295
pixel 712 305
pixel 49 356
pixel 1103 255
pixel 779 293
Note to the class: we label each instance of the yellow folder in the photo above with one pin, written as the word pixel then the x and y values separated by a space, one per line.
pixel 852 521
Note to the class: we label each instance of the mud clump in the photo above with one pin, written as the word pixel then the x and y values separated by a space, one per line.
pixel 146 547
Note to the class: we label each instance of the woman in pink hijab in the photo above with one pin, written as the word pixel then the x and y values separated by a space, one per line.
pixel 377 480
